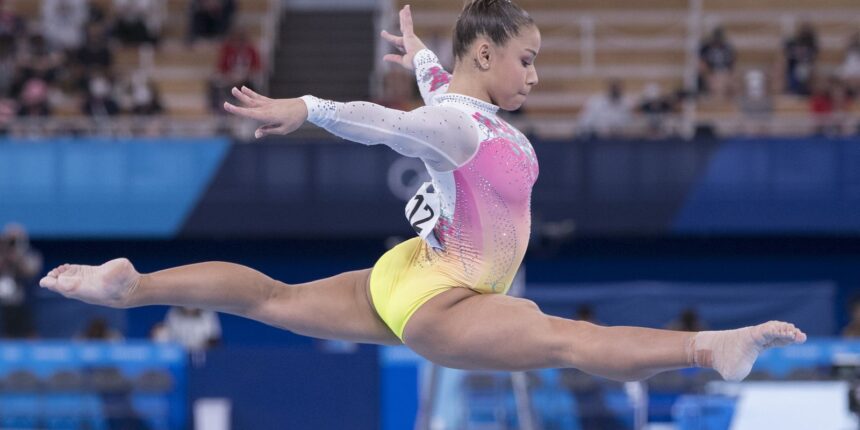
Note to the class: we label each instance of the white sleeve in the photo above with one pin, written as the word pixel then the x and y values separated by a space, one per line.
pixel 432 78
pixel 442 136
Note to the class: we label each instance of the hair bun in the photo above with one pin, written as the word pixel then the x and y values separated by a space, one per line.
pixel 485 4
pixel 499 20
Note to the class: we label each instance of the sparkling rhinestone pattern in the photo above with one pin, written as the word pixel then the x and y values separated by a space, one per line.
pixel 435 77
pixel 484 239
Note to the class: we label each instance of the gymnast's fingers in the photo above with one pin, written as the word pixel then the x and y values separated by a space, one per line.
pixel 245 112
pixel 244 98
pixel 253 94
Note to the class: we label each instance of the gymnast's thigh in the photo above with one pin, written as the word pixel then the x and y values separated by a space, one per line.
pixel 400 284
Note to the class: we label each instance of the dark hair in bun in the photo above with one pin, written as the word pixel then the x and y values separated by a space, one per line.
pixel 498 20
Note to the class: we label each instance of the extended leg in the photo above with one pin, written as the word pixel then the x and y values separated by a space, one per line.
pixel 462 329
pixel 334 308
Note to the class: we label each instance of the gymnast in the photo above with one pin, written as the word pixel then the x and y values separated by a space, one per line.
pixel 443 292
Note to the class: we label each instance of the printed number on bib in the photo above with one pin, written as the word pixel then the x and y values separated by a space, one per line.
pixel 423 212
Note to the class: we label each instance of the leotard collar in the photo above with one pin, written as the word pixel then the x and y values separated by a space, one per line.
pixel 480 105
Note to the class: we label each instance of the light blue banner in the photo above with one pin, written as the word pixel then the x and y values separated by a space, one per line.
pixel 105 188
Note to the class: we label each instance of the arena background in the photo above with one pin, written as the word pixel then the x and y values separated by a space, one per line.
pixel 727 191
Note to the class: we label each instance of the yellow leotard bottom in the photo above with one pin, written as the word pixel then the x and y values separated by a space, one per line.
pixel 399 284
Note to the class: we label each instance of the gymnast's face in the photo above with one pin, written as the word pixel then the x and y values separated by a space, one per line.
pixel 511 72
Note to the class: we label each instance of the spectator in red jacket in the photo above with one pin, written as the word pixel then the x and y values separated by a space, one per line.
pixel 238 64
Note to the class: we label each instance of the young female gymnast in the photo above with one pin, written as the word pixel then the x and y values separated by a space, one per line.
pixel 442 293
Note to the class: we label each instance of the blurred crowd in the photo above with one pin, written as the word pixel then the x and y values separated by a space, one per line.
pixel 822 94
pixel 828 94
pixel 64 61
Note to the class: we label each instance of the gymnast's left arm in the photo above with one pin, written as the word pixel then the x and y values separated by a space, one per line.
pixel 432 78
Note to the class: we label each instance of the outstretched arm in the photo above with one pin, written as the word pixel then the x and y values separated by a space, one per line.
pixel 432 78
pixel 443 137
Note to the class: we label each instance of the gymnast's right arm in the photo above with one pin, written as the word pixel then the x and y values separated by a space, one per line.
pixel 442 136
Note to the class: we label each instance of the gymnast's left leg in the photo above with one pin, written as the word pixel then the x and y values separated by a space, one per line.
pixel 463 329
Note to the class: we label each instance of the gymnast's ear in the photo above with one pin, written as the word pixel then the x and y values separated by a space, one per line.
pixel 483 54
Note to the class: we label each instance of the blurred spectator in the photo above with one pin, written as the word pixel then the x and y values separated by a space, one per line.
pixel 655 107
pixel 853 327
pixel 63 23
pixel 33 101
pixel 756 103
pixel 37 61
pixel 688 320
pixel 196 329
pixel 800 53
pixel 158 333
pixel 829 106
pixel 8 64
pixel 605 115
pixel 95 54
pixel 716 65
pixel 138 95
pixel 95 57
pixel 99 329
pixel 8 112
pixel 19 265
pixel 398 90
pixel 591 393
pixel 11 24
pixel 850 69
pixel 211 18
pixel 238 64
pixel 99 100
pixel 138 21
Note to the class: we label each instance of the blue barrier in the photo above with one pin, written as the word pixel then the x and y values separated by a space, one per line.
pixel 54 384
pixel 557 405
pixel 206 187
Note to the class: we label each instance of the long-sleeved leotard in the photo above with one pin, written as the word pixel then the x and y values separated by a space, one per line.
pixel 474 217
pixel 432 78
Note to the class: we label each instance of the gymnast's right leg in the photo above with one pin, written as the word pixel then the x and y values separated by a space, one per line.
pixel 463 329
pixel 332 308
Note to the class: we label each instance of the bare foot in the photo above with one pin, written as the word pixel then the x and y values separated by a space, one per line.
pixel 733 352
pixel 110 284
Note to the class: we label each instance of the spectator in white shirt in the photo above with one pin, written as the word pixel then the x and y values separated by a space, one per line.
pixel 606 115
pixel 196 329
pixel 63 23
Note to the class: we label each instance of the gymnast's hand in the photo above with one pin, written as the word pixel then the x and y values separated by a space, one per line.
pixel 409 44
pixel 110 284
pixel 280 116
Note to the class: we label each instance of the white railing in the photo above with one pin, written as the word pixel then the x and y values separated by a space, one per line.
pixel 126 126
pixel 725 124
pixel 384 18
pixel 271 31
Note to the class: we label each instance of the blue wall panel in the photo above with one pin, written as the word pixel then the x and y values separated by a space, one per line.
pixel 777 186
pixel 105 188
pixel 208 188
